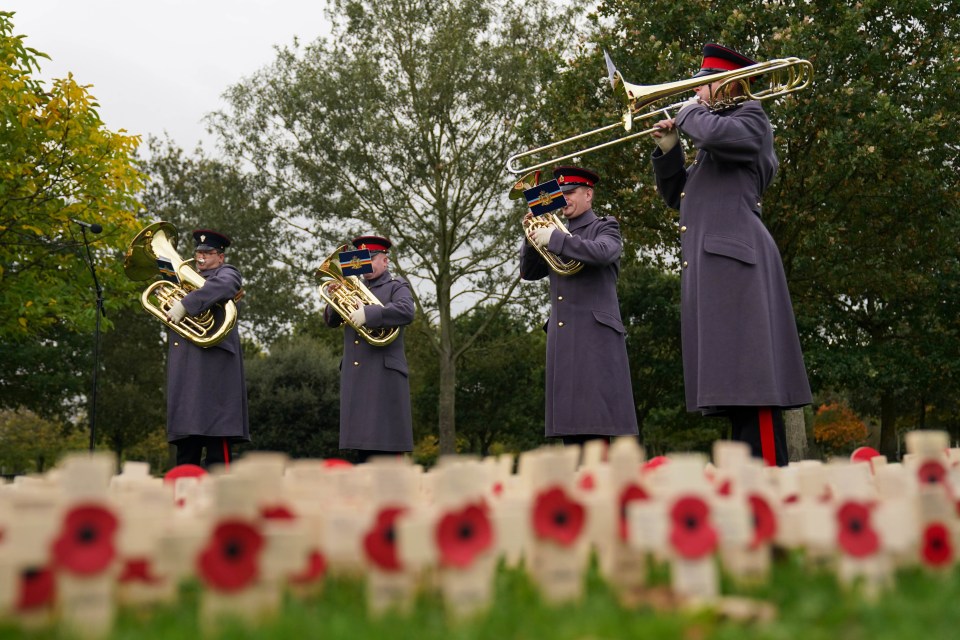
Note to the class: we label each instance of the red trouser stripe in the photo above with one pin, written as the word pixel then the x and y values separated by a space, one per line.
pixel 226 454
pixel 767 445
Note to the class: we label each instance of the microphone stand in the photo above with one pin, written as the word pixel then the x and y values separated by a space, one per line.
pixel 96 341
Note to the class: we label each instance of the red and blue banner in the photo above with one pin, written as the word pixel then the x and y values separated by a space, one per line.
pixel 355 263
pixel 545 198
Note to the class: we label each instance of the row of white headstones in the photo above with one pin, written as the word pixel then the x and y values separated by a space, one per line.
pixel 405 529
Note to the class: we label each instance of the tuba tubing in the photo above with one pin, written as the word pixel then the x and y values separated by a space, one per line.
pixel 561 266
pixel 351 295
pixel 140 263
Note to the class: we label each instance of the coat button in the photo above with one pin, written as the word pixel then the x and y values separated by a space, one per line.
pixel 759 205
pixel 559 324
pixel 559 298
pixel 356 342
pixel 683 229
pixel 176 344
pixel 682 194
pixel 356 364
pixel 685 264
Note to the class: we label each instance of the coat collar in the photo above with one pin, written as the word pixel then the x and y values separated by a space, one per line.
pixel 383 277
pixel 582 220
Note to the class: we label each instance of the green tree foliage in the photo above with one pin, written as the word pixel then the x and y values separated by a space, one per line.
pixel 199 192
pixel 499 386
pixel 294 398
pixel 58 162
pixel 400 122
pixel 865 206
pixel 32 444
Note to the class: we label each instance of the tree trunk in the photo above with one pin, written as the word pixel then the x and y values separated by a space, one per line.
pixel 796 434
pixel 448 397
pixel 888 427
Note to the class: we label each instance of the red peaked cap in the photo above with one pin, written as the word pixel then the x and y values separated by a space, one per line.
pixel 570 178
pixel 372 243
pixel 718 58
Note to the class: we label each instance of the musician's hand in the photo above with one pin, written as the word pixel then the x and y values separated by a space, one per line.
pixel 177 312
pixel 358 317
pixel 541 236
pixel 666 135
pixel 528 215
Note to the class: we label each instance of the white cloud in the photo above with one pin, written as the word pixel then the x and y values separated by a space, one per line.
pixel 162 65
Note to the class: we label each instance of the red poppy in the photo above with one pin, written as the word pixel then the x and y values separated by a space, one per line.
pixel 931 472
pixel 38 586
pixel 856 535
pixel 316 567
pixel 277 512
pixel 725 488
pixel 230 561
pixel 937 548
pixel 557 517
pixel 85 544
pixel 764 520
pixel 587 483
pixel 631 493
pixel 183 471
pixel 463 535
pixel 498 489
pixel 380 543
pixel 863 454
pixel 691 534
pixel 336 463
pixel 653 463
pixel 138 570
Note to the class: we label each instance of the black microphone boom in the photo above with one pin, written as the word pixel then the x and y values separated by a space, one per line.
pixel 94 228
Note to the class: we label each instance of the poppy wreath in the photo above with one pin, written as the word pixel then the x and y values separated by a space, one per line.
pixel 691 533
pixel 764 520
pixel 855 533
pixel 380 542
pixel 937 548
pixel 463 534
pixel 557 517
pixel 85 544
pixel 631 493
pixel 231 560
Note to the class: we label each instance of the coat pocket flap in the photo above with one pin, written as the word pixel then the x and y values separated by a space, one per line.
pixel 391 362
pixel 610 321
pixel 730 247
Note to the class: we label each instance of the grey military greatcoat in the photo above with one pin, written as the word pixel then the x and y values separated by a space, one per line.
pixel 739 335
pixel 588 388
pixel 206 388
pixel 374 388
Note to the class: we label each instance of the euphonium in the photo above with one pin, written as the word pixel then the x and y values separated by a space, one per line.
pixel 142 262
pixel 547 220
pixel 351 294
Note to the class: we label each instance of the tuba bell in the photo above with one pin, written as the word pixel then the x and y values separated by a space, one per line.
pixel 351 294
pixel 549 220
pixel 151 253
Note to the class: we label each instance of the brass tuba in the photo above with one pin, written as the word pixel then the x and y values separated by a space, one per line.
pixel 550 220
pixel 351 295
pixel 142 261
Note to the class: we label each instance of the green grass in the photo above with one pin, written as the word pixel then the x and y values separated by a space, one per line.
pixel 810 603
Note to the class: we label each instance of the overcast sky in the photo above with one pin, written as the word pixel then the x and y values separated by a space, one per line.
pixel 160 65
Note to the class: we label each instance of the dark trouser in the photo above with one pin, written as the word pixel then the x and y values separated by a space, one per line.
pixel 190 450
pixel 762 428
pixel 583 438
pixel 363 455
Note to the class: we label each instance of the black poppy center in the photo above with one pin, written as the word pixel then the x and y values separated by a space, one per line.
pixel 936 543
pixel 32 573
pixel 87 534
pixel 389 535
pixel 691 522
pixel 855 525
pixel 560 518
pixel 465 531
pixel 233 549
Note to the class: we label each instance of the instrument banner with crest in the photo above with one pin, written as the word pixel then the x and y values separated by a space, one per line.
pixel 356 263
pixel 545 198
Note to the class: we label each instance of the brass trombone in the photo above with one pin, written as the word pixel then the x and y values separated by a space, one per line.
pixel 784 76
